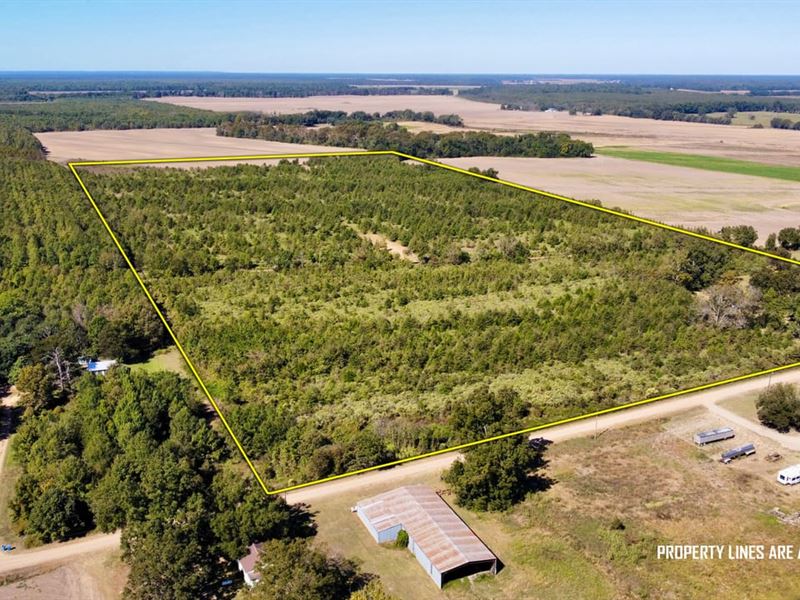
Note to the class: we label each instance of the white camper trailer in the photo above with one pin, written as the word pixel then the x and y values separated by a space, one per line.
pixel 789 475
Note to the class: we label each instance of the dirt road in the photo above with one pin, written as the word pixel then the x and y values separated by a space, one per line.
pixel 55 553
pixel 556 434
pixel 6 403
pixel 790 441
pixel 20 560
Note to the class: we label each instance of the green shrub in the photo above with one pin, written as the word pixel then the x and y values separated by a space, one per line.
pixel 402 539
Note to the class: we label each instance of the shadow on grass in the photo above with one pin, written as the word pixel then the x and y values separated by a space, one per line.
pixel 10 417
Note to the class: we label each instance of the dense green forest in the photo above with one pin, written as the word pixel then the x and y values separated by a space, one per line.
pixel 133 451
pixel 62 287
pixel 630 101
pixel 23 86
pixel 78 114
pixel 377 135
pixel 247 124
pixel 36 86
pixel 330 354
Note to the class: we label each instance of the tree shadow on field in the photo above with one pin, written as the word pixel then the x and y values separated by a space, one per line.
pixel 537 481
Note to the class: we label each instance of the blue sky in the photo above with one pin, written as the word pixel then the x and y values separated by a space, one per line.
pixel 403 36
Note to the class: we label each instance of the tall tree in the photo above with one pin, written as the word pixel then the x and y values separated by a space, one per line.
pixel 497 475
pixel 294 570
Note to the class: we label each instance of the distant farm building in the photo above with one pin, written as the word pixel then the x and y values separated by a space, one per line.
pixel 442 543
pixel 247 564
pixel 98 367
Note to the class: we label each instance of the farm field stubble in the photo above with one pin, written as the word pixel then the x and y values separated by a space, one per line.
pixel 761 145
pixel 129 144
pixel 681 196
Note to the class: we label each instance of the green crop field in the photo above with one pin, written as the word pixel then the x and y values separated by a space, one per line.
pixel 708 163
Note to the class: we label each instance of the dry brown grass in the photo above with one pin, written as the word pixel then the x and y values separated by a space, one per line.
pixel 99 576
pixel 562 543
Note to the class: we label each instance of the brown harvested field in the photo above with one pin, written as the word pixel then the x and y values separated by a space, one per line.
pixel 675 195
pixel 760 145
pixel 130 144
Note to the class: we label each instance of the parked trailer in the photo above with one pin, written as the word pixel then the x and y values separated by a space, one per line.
pixel 789 475
pixel 715 435
pixel 735 453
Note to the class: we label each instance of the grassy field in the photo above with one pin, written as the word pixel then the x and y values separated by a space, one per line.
pixel 744 406
pixel 594 533
pixel 168 359
pixel 708 163
pixel 10 474
pixel 756 117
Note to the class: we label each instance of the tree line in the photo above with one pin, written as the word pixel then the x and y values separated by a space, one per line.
pixel 247 124
pixel 78 114
pixel 628 100
pixel 783 123
pixel 381 136
pixel 37 88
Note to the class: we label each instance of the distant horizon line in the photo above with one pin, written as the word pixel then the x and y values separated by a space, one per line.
pixel 372 73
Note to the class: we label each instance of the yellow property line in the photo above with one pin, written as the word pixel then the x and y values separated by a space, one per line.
pixel 201 383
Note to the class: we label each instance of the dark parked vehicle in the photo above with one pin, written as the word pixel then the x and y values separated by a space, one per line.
pixel 735 453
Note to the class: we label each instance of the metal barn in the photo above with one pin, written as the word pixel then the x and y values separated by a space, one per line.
pixel 442 543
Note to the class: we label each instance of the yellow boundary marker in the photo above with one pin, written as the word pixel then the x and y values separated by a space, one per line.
pixel 201 383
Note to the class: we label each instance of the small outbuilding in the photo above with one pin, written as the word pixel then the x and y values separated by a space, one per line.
pixel 247 564
pixel 441 542
pixel 97 367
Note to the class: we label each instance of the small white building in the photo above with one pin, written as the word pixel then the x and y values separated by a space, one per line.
pixel 98 367
pixel 247 564
pixel 441 542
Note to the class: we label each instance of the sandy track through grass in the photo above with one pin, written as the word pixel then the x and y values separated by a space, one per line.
pixel 6 404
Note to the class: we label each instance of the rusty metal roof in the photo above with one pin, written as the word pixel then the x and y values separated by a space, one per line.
pixel 438 531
